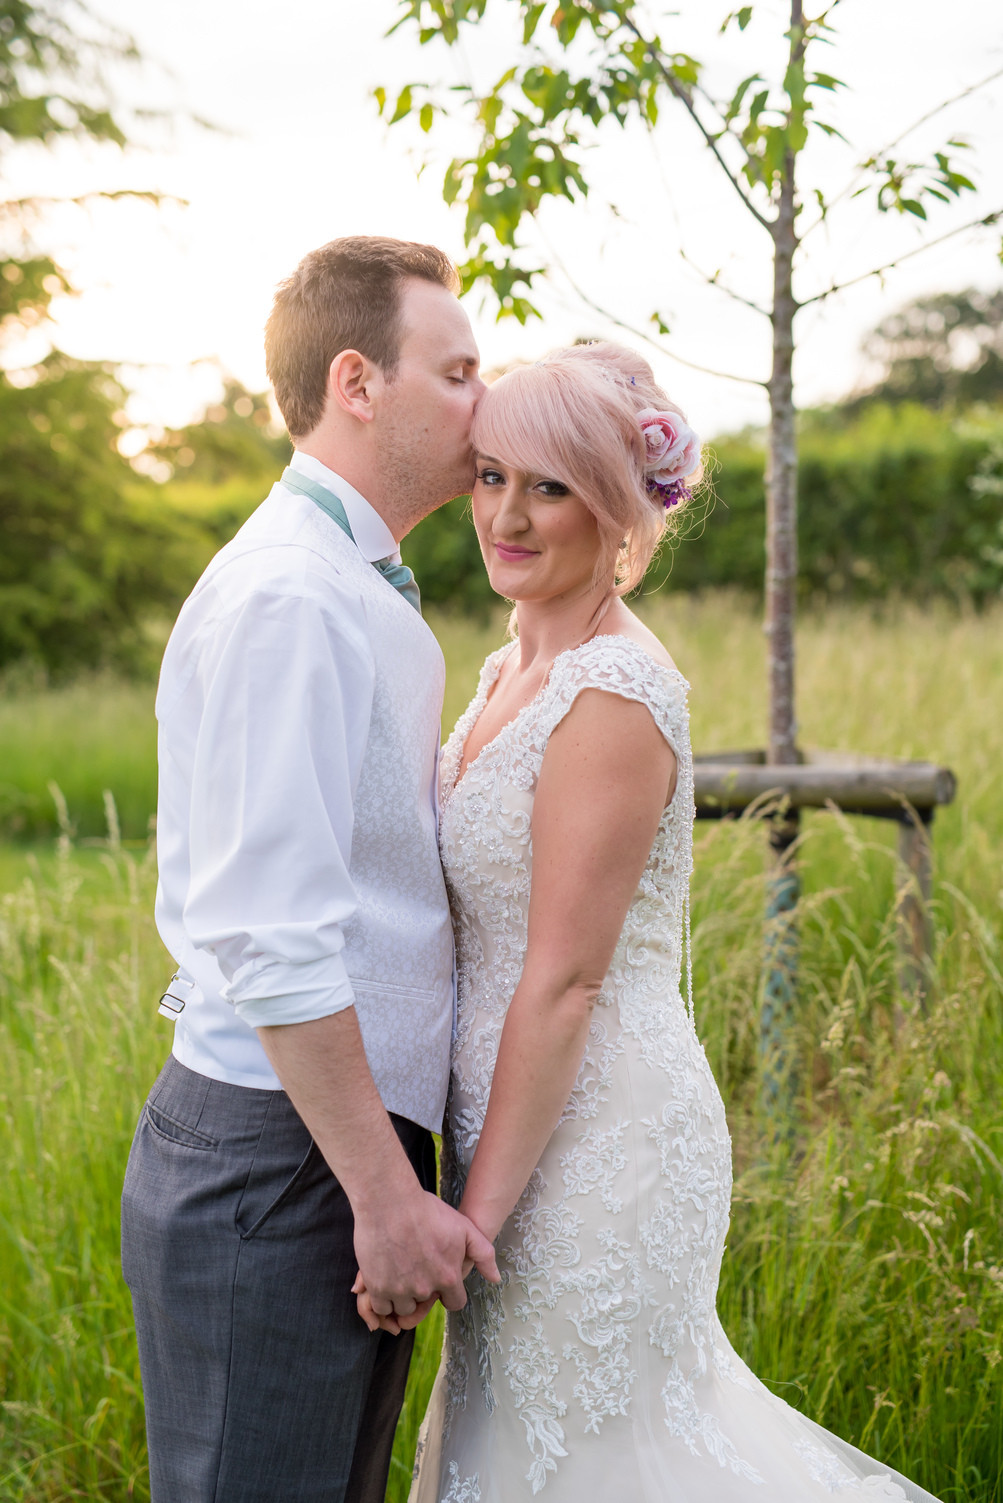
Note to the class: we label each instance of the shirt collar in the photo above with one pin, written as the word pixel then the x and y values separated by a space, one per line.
pixel 373 537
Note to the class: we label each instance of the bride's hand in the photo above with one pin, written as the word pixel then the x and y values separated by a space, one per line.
pixel 392 1323
pixel 364 1305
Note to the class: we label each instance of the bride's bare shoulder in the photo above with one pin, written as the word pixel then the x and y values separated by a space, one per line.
pixel 620 621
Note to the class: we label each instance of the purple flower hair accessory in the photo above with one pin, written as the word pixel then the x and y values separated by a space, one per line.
pixel 671 452
pixel 670 494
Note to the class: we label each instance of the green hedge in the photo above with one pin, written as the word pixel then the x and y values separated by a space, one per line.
pixel 901 500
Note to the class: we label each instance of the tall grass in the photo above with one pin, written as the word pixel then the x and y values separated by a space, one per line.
pixel 83 738
pixel 864 1276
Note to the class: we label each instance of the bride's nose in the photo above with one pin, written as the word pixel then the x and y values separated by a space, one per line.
pixel 510 516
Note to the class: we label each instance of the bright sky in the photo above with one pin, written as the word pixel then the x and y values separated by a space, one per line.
pixel 301 157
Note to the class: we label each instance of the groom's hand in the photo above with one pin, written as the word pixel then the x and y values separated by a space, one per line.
pixel 416 1250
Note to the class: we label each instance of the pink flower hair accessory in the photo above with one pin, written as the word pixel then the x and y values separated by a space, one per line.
pixel 671 452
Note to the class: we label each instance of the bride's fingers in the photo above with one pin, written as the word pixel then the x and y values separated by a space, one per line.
pixel 365 1309
pixel 374 1321
pixel 408 1322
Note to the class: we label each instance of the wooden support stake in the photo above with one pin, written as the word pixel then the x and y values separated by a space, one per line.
pixel 913 904
pixel 778 1084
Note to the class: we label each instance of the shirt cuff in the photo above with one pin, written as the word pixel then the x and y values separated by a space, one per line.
pixel 279 993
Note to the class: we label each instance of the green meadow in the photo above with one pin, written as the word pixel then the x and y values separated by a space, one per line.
pixel 864 1276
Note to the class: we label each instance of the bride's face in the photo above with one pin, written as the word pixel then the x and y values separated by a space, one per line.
pixel 539 540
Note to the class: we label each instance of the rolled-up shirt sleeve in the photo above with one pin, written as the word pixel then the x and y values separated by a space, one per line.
pixel 286 688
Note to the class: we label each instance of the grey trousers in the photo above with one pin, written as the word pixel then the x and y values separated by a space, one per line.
pixel 261 1382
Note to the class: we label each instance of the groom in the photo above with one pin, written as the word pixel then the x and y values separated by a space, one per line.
pixel 287 1143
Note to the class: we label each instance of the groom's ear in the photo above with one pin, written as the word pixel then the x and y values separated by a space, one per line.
pixel 351 380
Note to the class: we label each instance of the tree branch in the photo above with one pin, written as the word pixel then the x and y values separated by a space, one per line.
pixel 877 271
pixel 859 175
pixel 621 323
pixel 681 94
pixel 712 281
pixel 79 200
pixel 937 109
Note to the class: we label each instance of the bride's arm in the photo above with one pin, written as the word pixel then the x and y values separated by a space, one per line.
pixel 605 779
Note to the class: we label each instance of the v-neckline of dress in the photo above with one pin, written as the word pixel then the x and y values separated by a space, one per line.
pixel 479 702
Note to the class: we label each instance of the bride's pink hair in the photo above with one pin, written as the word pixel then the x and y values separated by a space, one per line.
pixel 573 417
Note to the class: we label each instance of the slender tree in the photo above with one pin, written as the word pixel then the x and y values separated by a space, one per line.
pixel 573 67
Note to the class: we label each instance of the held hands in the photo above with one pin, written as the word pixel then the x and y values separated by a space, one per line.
pixel 413 1255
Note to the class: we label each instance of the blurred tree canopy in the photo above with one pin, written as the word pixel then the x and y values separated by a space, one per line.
pixel 236 438
pixel 222 465
pixel 939 351
pixel 85 556
pixel 51 58
pixel 87 553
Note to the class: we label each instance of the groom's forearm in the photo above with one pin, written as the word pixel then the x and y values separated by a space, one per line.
pixel 409 1244
pixel 323 1070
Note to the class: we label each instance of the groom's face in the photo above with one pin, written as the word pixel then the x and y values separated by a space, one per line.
pixel 430 402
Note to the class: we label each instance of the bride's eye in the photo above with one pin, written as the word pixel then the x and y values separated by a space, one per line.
pixel 553 488
pixel 489 477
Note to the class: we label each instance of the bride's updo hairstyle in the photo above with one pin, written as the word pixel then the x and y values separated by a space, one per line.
pixel 588 416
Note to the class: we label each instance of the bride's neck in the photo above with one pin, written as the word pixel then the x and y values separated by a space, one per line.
pixel 548 627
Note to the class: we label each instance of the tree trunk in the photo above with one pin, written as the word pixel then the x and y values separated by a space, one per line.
pixel 783 888
pixel 781 490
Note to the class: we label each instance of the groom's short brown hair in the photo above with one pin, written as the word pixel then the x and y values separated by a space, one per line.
pixel 345 295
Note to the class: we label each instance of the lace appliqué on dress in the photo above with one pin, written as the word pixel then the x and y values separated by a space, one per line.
pixel 462 1489
pixel 836 1477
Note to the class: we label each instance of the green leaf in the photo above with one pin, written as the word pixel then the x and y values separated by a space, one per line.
pixel 453 181
pixel 403 105
pixel 758 105
pixel 380 95
pixel 425 117
pixel 530 22
pixel 739 95
pixel 912 206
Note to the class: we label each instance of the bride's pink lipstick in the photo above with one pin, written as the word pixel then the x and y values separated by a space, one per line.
pixel 511 553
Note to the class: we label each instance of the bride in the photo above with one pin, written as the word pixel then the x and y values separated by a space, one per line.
pixel 585 1134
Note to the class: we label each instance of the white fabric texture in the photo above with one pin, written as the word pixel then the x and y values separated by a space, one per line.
pixel 599 1369
pixel 298 712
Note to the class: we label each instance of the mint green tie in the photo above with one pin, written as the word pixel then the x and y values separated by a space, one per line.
pixel 399 575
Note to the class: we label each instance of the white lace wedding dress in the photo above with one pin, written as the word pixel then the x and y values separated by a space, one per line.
pixel 599 1372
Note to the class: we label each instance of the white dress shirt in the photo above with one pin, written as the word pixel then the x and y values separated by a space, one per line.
pixel 298 712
